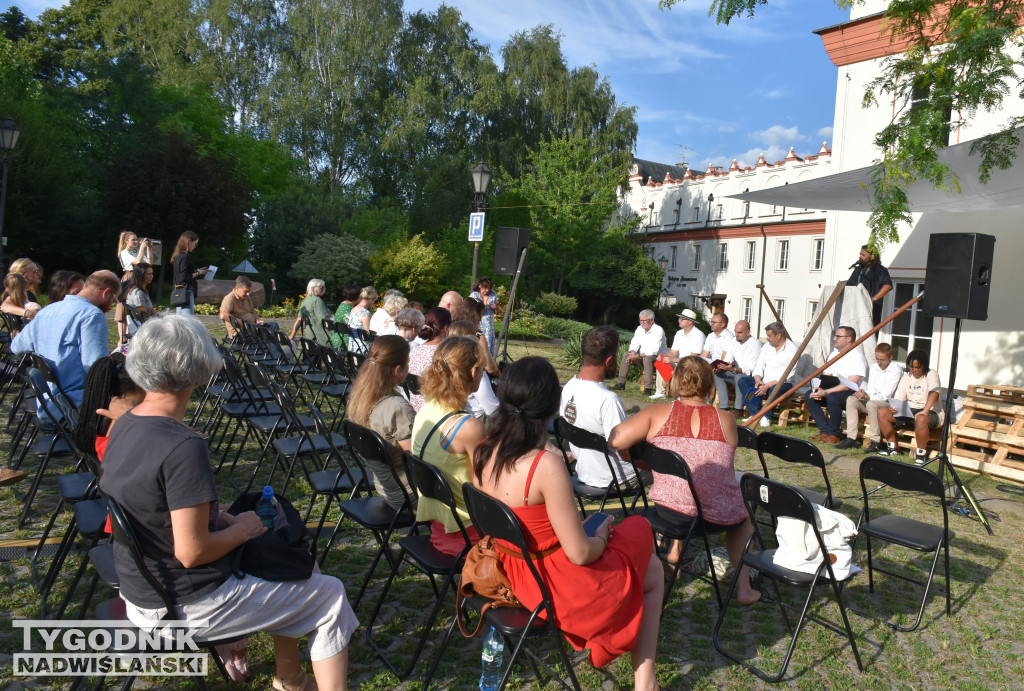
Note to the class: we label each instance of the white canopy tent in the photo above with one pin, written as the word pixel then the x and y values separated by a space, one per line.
pixel 851 190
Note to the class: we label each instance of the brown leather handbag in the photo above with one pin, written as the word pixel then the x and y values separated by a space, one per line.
pixel 483 575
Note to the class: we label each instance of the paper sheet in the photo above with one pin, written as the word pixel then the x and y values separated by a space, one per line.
pixel 211 271
pixel 902 408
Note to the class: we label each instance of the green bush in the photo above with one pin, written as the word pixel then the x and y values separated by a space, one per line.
pixel 276 312
pixel 556 305
pixel 207 310
pixel 572 354
pixel 525 330
pixel 565 328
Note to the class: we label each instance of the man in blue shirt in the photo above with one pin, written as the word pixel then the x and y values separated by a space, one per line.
pixel 72 334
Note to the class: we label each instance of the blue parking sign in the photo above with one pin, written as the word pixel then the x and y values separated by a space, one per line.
pixel 476 226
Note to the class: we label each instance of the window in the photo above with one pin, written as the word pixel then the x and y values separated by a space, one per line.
pixel 780 307
pixel 782 255
pixel 649 251
pixel 654 217
pixel 719 212
pixel 750 256
pixel 746 209
pixel 723 256
pixel 818 254
pixel 920 95
pixel 695 266
pixel 912 329
pixel 673 251
pixel 812 310
pixel 748 307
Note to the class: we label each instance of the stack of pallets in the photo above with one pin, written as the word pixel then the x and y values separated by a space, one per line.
pixel 989 438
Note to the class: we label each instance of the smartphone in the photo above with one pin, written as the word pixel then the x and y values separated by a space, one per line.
pixel 593 521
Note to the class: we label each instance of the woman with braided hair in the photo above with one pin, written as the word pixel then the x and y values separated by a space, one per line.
pixel 435 329
pixel 445 436
pixel 606 588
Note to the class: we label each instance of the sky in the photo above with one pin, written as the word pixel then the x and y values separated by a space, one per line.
pixel 704 93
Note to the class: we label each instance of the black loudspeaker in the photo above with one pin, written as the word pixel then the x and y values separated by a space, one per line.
pixel 509 244
pixel 959 275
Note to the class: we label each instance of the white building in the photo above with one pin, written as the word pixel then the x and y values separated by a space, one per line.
pixel 991 352
pixel 719 249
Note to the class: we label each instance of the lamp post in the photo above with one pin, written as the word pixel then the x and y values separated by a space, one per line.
pixel 711 198
pixel 663 265
pixel 9 132
pixel 481 181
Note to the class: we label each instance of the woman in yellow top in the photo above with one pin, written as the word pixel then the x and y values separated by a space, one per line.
pixel 449 442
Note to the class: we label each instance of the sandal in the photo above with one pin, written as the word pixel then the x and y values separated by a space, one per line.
pixel 300 682
pixel 237 668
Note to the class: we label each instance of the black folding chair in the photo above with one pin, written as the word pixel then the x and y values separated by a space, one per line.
pixel 797 451
pixel 780 500
pixel 518 624
pixel 670 463
pixel 417 550
pixel 565 434
pixel 126 536
pixel 906 532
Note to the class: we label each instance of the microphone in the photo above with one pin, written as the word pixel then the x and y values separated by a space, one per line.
pixel 854 265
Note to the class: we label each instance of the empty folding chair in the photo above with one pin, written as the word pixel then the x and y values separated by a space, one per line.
pixel 618 488
pixel 906 532
pixel 797 451
pixel 779 500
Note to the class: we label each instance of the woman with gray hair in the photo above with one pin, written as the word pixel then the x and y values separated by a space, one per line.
pixel 315 309
pixel 158 469
pixel 408 323
pixel 383 320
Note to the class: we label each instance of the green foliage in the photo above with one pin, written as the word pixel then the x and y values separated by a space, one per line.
pixel 207 309
pixel 555 304
pixel 572 352
pixel 411 265
pixel 564 328
pixel 618 273
pixel 277 311
pixel 338 259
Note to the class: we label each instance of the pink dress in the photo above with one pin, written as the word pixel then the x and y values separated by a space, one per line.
pixel 419 362
pixel 599 606
pixel 711 461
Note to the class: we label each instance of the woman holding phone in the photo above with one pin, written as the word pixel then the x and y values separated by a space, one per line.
pixel 185 274
pixel 606 588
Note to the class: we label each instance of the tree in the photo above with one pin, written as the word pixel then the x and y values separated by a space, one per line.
pixel 617 273
pixel 412 265
pixel 963 57
pixel 571 191
pixel 338 259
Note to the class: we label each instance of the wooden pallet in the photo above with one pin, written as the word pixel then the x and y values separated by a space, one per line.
pixel 793 410
pixel 991 431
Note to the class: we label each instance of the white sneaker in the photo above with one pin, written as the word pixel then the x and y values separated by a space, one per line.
pixel 656 396
pixel 765 421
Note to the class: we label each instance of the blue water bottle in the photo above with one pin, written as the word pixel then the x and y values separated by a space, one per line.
pixel 266 507
pixel 490 661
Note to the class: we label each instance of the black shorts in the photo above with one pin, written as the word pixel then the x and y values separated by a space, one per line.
pixel 933 418
pixel 682 518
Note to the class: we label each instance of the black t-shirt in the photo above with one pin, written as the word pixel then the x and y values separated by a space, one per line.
pixel 152 466
pixel 873 278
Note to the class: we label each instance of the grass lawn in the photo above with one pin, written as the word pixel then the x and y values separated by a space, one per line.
pixel 979 646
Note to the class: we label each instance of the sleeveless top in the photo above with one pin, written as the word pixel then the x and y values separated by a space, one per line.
pixel 711 461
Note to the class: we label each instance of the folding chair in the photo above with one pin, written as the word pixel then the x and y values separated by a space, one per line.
pixel 566 433
pixel 126 536
pixel 780 500
pixel 906 532
pixel 747 438
pixel 670 463
pixel 417 550
pixel 334 392
pixel 371 512
pixel 492 517
pixel 797 451
pixel 411 385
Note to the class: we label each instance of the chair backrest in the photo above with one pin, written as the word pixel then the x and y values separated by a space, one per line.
pixel 902 476
pixel 577 436
pixel 136 315
pixel 55 406
pixel 411 383
pixel 125 536
pixel 776 498
pixel 40 363
pixel 336 363
pixel 667 462
pixel 492 517
pixel 430 482
pixel 747 438
pixel 793 451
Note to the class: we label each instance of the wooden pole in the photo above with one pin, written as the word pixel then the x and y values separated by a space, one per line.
pixel 768 406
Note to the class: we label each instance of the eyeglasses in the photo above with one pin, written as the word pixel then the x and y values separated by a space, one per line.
pixel 646 321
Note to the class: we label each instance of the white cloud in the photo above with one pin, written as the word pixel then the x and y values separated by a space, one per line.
pixel 825 133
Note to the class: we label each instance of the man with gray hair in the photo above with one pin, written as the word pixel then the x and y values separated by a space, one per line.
pixel 647 344
pixel 771 364
pixel 72 334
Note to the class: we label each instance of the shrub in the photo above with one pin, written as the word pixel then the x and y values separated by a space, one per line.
pixel 565 328
pixel 412 265
pixel 572 354
pixel 556 305
pixel 206 309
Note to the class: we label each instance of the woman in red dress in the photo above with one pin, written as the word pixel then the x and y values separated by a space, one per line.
pixel 606 589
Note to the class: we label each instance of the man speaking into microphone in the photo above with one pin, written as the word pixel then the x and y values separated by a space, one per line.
pixel 869 272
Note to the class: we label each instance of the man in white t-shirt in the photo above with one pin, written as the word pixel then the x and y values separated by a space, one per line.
pixel 744 353
pixel 832 392
pixel 689 340
pixel 772 362
pixel 874 394
pixel 647 344
pixel 588 404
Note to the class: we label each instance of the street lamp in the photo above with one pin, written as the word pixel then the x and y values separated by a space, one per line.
pixel 9 132
pixel 711 198
pixel 481 181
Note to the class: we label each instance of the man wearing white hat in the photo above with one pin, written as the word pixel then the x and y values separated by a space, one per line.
pixel 689 340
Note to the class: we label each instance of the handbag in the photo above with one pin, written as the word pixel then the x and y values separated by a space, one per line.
pixel 281 554
pixel 179 296
pixel 483 576
pixel 799 550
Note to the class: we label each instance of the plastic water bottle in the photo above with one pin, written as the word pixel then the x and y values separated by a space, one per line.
pixel 490 661
pixel 266 507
